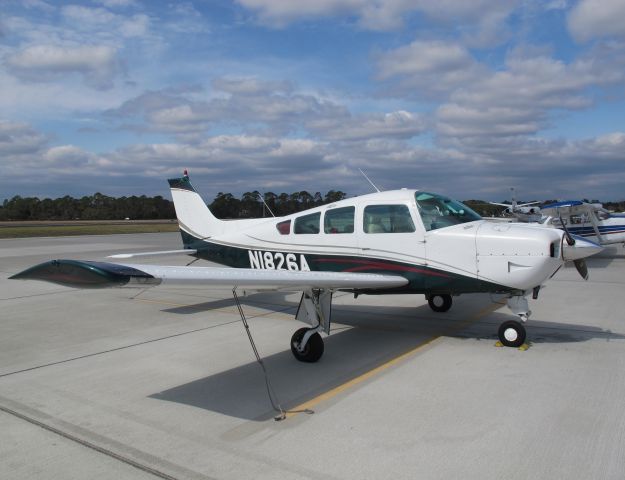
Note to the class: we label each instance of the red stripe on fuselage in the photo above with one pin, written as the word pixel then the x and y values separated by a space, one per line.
pixel 368 264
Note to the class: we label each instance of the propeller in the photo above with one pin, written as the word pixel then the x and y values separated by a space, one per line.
pixel 580 263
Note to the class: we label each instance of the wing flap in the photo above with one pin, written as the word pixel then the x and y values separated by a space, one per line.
pixel 88 274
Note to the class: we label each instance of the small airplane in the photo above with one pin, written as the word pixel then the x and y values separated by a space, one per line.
pixel 522 211
pixel 391 242
pixel 587 220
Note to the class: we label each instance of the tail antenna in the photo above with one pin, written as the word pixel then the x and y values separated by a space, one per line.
pixel 368 180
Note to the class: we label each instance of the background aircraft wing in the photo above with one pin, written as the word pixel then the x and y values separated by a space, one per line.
pixel 89 274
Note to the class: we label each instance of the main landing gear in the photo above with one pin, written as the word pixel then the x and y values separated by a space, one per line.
pixel 309 350
pixel 314 309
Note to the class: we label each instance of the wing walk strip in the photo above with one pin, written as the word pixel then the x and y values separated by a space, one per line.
pixel 308 405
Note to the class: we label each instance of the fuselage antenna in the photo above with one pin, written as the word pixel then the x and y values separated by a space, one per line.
pixel 368 180
pixel 265 203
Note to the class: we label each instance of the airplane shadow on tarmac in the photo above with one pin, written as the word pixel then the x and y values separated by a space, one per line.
pixel 379 334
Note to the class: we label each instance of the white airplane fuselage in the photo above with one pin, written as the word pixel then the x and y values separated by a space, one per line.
pixel 472 255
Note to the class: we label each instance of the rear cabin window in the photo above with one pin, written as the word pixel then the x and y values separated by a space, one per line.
pixel 339 220
pixel 387 219
pixel 307 223
pixel 284 227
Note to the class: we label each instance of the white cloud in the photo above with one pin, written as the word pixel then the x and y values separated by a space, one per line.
pixel 18 139
pixel 424 57
pixel 481 20
pixel 597 18
pixel 434 67
pixel 97 64
pixel 399 124
pixel 518 100
pixel 282 12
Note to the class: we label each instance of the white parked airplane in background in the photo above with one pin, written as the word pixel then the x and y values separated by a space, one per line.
pixel 393 242
pixel 522 211
pixel 588 220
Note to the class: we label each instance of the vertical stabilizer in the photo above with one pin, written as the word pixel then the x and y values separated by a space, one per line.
pixel 194 217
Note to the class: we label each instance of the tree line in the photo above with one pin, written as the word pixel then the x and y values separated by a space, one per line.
pixel 103 207
pixel 225 205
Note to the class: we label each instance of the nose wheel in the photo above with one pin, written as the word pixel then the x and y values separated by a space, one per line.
pixel 440 302
pixel 512 334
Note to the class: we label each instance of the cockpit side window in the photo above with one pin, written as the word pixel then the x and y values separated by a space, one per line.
pixel 438 211
pixel 387 219
pixel 307 223
pixel 339 220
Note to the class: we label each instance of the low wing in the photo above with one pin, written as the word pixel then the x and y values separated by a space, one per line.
pixel 88 274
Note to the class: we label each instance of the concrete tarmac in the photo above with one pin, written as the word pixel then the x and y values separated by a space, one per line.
pixel 125 383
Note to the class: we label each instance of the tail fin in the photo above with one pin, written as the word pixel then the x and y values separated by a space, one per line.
pixel 194 217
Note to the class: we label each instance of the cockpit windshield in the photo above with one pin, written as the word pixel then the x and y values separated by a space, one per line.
pixel 438 211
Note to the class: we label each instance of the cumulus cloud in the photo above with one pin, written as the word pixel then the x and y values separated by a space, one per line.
pixel 282 12
pixel 399 124
pixel 97 64
pixel 270 108
pixel 481 18
pixel 18 139
pixel 518 100
pixel 434 67
pixel 597 18
pixel 89 18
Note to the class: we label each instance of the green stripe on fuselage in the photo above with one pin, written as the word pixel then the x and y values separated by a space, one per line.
pixel 422 279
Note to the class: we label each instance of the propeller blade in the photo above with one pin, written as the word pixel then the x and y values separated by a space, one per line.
pixel 569 238
pixel 582 268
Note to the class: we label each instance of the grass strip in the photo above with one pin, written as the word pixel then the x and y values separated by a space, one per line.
pixel 96 229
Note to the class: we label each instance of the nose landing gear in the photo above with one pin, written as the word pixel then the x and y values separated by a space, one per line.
pixel 512 333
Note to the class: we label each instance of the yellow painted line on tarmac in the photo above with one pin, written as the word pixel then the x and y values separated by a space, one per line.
pixel 359 379
pixel 160 302
pixel 385 366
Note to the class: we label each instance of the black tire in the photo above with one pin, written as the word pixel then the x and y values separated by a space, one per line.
pixel 313 350
pixel 512 334
pixel 440 302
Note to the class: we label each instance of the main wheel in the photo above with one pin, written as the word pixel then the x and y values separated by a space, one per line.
pixel 440 303
pixel 512 334
pixel 313 349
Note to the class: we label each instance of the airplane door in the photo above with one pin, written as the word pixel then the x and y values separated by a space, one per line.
pixel 338 243
pixel 391 241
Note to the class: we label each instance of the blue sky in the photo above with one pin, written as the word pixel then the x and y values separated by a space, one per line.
pixel 467 98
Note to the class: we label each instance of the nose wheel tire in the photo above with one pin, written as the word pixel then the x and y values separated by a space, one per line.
pixel 440 303
pixel 313 349
pixel 512 334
